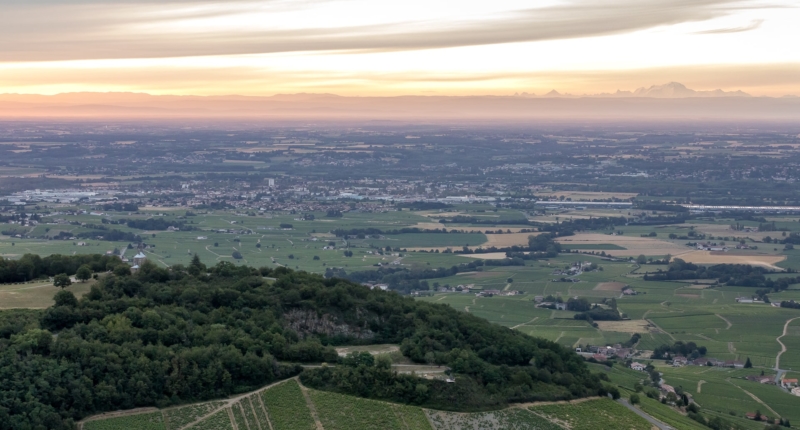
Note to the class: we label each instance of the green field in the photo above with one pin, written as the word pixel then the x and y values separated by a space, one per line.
pixel 287 407
pixel 603 414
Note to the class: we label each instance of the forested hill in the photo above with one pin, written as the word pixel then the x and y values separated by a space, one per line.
pixel 169 336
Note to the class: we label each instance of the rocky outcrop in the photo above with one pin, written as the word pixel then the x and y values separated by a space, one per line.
pixel 305 322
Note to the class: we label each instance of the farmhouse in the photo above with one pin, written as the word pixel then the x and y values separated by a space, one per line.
pixel 744 300
pixel 760 379
pixel 638 366
pixel 139 259
pixel 788 383
pixel 679 361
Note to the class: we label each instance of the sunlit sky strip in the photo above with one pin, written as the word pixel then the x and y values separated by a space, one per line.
pixel 358 47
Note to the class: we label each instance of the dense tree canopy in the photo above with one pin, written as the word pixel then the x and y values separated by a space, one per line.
pixel 167 336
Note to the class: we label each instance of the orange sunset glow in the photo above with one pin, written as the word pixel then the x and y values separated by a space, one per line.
pixel 391 48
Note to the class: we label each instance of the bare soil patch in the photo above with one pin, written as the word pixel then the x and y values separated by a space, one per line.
pixel 372 349
pixel 507 239
pixel 634 246
pixel 709 257
pixel 609 286
pixel 487 255
pixel 631 326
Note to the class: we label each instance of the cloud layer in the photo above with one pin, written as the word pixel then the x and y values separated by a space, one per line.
pixel 48 31
pixel 394 47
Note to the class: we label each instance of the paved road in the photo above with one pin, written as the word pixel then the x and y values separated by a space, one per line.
pixel 649 419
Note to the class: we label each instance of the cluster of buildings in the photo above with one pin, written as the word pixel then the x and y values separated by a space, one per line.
pixel 711 247
pixel 603 353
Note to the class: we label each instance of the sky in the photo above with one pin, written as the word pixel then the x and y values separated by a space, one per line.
pixel 394 47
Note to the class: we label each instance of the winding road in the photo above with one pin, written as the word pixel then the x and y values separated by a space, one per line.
pixel 783 347
pixel 649 419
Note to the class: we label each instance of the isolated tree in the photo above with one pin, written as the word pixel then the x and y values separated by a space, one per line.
pixel 634 399
pixel 748 364
pixel 84 273
pixel 236 255
pixel 196 266
pixel 641 259
pixel 65 298
pixel 62 281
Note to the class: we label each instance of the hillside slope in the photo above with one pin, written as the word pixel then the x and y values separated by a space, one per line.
pixel 291 406
pixel 185 334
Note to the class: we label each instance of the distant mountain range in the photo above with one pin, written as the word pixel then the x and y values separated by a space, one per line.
pixel 668 102
pixel 672 90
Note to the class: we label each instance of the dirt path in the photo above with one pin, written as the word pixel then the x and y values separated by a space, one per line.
pixel 731 348
pixel 266 413
pixel 233 420
pixel 662 330
pixel 783 347
pixel 312 408
pixel 700 385
pixel 233 400
pixel 560 402
pixel 115 414
pixel 726 320
pixel 755 398
pixel 525 323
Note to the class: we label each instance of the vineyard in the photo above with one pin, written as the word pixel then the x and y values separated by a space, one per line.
pixel 284 406
pixel 601 414
pixel 354 414
pixel 238 416
pixel 219 421
pixel 510 419
pixel 177 418
pixel 147 421
pixel 413 418
pixel 287 407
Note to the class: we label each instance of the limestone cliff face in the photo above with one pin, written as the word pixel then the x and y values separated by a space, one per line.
pixel 305 322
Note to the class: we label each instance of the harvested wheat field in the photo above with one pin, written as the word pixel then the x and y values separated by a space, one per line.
pixel 630 326
pixel 712 257
pixel 634 246
pixel 610 286
pixel 507 239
